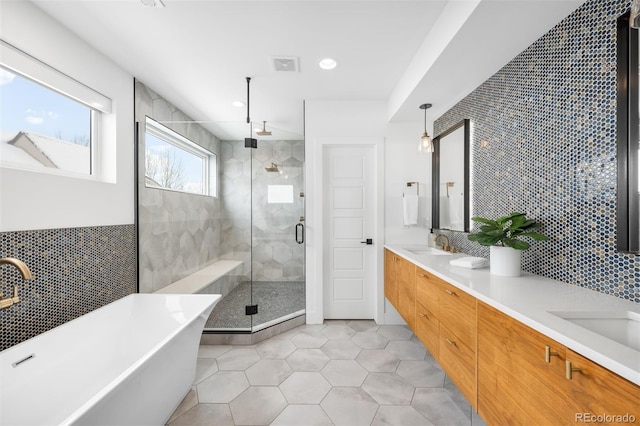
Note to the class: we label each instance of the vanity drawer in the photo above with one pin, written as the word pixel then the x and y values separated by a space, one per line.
pixel 426 292
pixel 427 329
pixel 457 310
pixel 459 361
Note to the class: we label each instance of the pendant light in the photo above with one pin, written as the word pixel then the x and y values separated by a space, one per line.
pixel 425 144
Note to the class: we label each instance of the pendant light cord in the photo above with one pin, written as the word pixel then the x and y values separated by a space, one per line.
pixel 425 120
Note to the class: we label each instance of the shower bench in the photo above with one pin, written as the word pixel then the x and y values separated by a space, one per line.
pixel 218 278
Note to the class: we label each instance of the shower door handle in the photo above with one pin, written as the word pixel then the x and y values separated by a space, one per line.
pixel 300 233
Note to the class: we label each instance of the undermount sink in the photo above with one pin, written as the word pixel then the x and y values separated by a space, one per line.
pixel 622 327
pixel 428 251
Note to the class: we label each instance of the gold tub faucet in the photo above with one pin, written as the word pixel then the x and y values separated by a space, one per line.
pixel 26 275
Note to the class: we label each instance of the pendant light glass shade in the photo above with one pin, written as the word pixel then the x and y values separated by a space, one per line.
pixel 426 144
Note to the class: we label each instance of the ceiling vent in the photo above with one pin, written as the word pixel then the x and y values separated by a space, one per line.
pixel 285 63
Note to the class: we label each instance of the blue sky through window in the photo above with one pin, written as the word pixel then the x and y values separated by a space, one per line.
pixel 31 107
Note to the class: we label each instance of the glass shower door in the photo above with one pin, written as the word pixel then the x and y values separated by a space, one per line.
pixel 277 267
pixel 233 220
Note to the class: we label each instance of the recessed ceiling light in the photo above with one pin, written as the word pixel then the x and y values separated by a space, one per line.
pixel 238 104
pixel 328 64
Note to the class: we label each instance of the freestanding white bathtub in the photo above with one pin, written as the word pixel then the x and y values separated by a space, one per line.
pixel 128 363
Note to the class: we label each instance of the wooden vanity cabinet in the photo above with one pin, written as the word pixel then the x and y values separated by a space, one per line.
pixel 427 325
pixel 457 311
pixel 521 382
pixel 516 385
pixel 400 285
pixel 406 276
pixel 508 371
pixel 594 390
pixel 390 277
pixel 446 325
pixel 459 362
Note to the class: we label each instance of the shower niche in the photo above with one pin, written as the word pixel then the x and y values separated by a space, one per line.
pixel 242 236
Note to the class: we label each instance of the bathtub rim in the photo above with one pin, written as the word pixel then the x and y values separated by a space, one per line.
pixel 113 383
pixel 140 361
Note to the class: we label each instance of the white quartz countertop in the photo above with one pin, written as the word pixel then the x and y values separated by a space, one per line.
pixel 530 299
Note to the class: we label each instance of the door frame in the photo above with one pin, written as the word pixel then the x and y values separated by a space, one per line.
pixel 315 218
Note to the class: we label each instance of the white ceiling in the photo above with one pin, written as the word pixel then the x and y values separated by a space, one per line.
pixel 197 53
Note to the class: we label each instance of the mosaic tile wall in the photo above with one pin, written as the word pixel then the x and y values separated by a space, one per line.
pixel 544 132
pixel 179 233
pixel 76 270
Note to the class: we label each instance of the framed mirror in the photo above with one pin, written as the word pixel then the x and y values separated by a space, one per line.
pixel 628 141
pixel 450 191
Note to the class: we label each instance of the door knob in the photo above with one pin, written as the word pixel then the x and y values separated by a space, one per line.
pixel 368 241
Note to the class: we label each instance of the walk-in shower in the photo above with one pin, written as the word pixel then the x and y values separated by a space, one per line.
pixel 217 217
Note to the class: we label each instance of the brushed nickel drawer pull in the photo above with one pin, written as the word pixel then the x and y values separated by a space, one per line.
pixel 452 293
pixel 548 354
pixel 423 315
pixel 569 370
pixel 450 342
pixel 422 275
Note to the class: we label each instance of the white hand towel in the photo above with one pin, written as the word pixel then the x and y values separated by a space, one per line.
pixel 410 209
pixel 470 262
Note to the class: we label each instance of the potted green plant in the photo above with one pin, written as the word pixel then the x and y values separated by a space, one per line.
pixel 505 238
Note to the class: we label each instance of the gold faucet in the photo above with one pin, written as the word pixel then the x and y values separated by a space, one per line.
pixel 26 275
pixel 445 245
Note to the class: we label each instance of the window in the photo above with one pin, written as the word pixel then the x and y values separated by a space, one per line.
pixel 49 120
pixel 174 162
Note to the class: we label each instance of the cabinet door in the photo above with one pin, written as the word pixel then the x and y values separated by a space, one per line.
pixel 406 281
pixel 516 385
pixel 390 281
pixel 596 391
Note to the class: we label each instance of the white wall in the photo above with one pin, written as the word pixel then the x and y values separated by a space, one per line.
pixel 352 122
pixel 338 123
pixel 30 200
pixel 404 164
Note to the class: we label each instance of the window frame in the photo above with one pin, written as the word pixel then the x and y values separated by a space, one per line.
pixel 22 64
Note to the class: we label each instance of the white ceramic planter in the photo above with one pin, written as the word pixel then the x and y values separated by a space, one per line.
pixel 505 261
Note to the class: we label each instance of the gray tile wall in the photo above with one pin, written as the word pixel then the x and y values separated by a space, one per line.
pixel 244 183
pixel 76 270
pixel 179 233
pixel 544 131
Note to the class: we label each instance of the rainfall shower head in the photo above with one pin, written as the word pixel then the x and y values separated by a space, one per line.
pixel 263 131
pixel 272 168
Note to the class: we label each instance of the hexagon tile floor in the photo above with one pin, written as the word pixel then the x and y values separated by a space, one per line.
pixel 338 373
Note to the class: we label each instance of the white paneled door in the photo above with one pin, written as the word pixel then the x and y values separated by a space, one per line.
pixel 349 220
